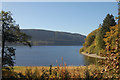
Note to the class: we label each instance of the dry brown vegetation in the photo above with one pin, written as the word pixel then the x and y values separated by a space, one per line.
pixel 74 71
pixel 56 72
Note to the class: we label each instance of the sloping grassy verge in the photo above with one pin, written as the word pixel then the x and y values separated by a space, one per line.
pixel 55 72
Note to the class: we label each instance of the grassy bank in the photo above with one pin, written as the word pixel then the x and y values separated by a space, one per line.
pixel 90 72
pixel 74 71
pixel 55 72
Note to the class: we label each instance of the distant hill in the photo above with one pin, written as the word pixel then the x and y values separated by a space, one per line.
pixel 46 37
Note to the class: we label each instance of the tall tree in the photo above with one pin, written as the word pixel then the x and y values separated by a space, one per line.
pixel 11 33
pixel 107 23
pixel 98 41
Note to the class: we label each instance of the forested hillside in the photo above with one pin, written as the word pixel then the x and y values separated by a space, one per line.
pixel 46 37
pixel 97 41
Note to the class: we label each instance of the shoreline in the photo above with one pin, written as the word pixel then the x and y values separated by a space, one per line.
pixel 49 66
pixel 93 55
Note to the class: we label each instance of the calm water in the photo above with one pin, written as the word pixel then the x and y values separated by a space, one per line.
pixel 47 55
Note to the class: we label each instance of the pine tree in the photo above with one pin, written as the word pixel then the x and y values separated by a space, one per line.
pixel 107 23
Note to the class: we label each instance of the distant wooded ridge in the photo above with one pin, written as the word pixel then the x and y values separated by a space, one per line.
pixel 46 37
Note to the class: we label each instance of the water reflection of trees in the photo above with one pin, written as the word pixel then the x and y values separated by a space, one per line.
pixel 90 60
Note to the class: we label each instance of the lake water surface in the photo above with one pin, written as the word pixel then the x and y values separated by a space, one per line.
pixel 47 55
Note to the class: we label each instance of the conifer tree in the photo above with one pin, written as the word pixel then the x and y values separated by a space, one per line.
pixel 107 23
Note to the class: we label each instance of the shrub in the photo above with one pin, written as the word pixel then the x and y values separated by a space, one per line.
pixel 81 49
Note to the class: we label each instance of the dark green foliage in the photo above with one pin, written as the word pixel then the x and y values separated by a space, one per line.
pixel 94 42
pixel 13 34
pixel 9 56
pixel 91 49
pixel 10 33
pixel 99 42
pixel 90 38
pixel 107 23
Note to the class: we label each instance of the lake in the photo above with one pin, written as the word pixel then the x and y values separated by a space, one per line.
pixel 47 55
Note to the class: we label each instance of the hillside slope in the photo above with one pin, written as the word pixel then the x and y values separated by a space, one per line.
pixel 46 37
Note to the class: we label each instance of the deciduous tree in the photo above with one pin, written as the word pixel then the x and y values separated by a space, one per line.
pixel 12 34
